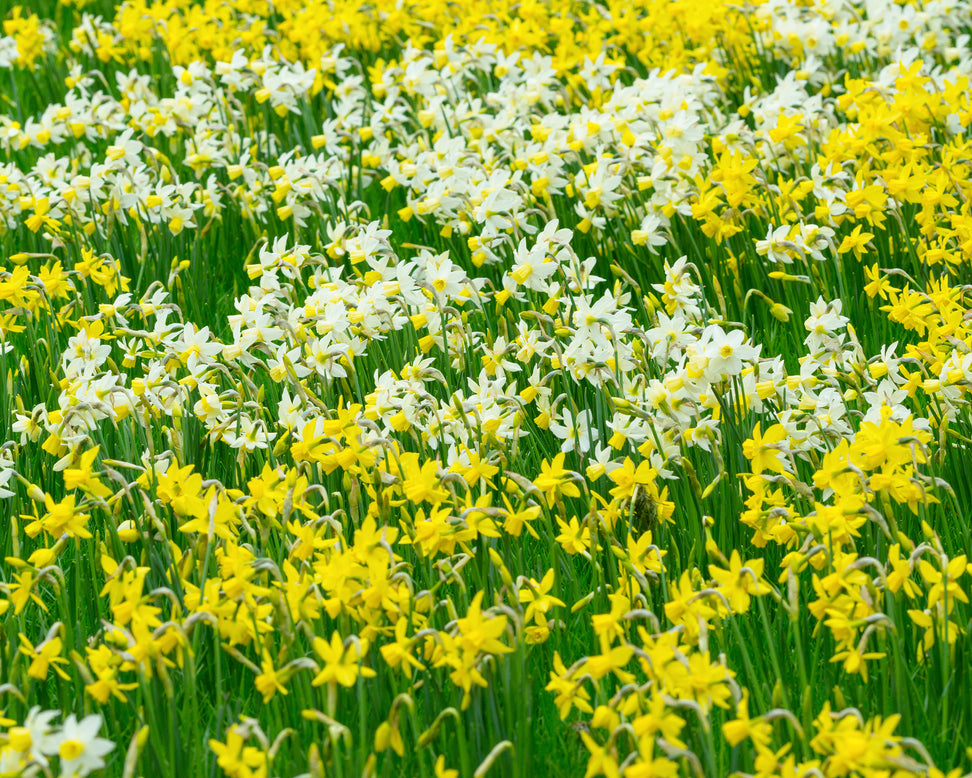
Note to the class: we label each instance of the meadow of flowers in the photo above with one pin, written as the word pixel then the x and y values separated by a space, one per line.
pixel 461 389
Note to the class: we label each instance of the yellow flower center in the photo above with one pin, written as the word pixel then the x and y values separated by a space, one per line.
pixel 71 749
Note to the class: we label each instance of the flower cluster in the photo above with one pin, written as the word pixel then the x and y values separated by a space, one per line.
pixel 38 745
pixel 464 389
